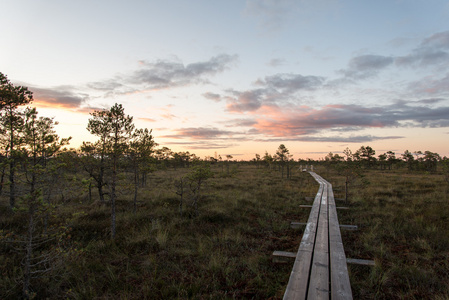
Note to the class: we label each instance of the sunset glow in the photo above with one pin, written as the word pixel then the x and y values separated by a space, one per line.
pixel 240 77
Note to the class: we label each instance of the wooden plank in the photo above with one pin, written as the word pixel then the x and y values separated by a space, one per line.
pixel 283 257
pixel 285 254
pixel 319 276
pixel 364 262
pixel 299 277
pixel 349 227
pixel 296 225
pixel 320 269
pixel 340 284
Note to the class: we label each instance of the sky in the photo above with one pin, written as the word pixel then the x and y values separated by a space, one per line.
pixel 240 77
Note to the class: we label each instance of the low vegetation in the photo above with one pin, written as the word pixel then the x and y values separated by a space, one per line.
pixel 121 219
pixel 225 252
pixel 404 227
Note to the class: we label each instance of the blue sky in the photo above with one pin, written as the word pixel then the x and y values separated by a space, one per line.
pixel 240 77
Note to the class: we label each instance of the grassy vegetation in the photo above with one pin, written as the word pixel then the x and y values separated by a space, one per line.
pixel 225 252
pixel 403 221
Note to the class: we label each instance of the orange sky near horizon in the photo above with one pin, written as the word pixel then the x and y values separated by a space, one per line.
pixel 240 77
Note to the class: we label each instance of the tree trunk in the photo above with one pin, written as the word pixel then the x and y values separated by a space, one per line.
pixel 346 190
pixel 29 253
pixel 29 242
pixel 136 186
pixel 2 180
pixel 113 213
pixel 12 185
pixel 12 165
pixel 100 180
pixel 90 192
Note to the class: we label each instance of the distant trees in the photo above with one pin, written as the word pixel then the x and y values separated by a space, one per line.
pixel 141 147
pixel 268 159
pixel 190 185
pixel 445 169
pixel 228 160
pixel 114 129
pixel 348 166
pixel 407 156
pixel 430 161
pixel 365 157
pixel 283 157
pixel 257 160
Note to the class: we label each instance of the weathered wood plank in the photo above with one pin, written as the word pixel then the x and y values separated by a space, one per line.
pixel 299 278
pixel 340 284
pixel 282 257
pixel 349 227
pixel 320 269
pixel 360 261
pixel 296 225
pixel 285 254
pixel 319 277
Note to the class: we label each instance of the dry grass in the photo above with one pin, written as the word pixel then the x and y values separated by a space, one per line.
pixel 404 227
pixel 225 252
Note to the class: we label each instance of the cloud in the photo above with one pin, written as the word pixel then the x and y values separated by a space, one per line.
pixel 366 66
pixel 333 139
pixel 246 101
pixel 212 96
pixel 432 51
pixel 200 145
pixel 200 133
pixel 164 73
pixel 430 86
pixel 431 101
pixel 168 116
pixel 290 83
pixel 273 89
pixel 239 123
pixel 276 62
pixel 107 85
pixel 301 122
pixel 438 40
pixel 59 97
pixel 147 119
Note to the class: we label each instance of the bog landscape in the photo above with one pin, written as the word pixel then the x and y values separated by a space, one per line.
pixel 126 218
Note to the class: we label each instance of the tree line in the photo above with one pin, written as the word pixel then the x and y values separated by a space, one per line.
pixel 34 161
pixel 365 156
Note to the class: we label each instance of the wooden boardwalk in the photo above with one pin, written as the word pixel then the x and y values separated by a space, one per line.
pixel 320 270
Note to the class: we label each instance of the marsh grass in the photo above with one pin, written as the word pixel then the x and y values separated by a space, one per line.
pixel 225 252
pixel 157 254
pixel 403 221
